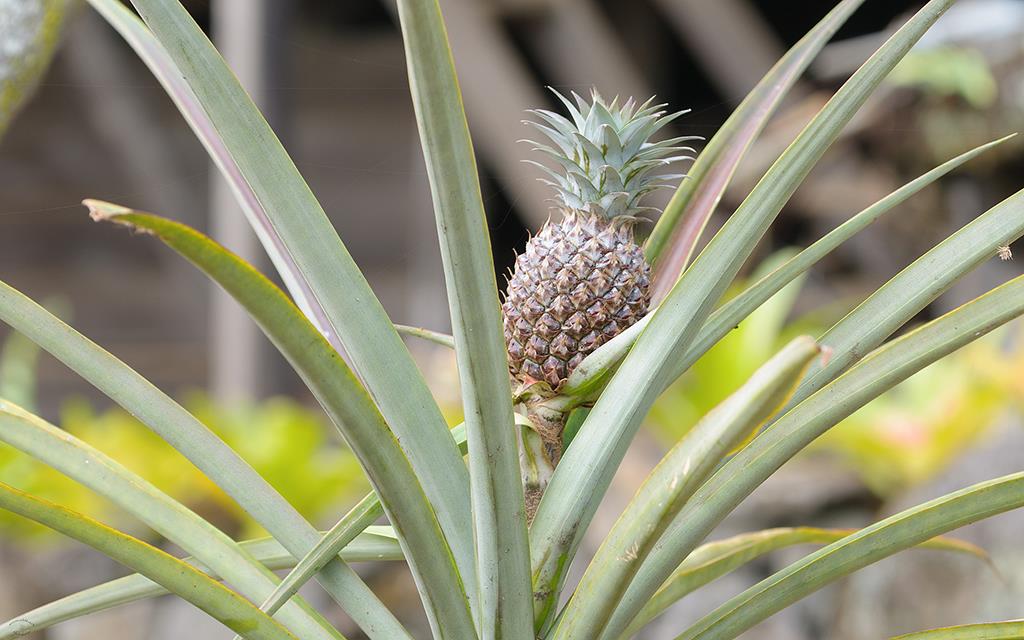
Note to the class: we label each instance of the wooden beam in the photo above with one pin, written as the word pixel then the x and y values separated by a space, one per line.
pixel 728 38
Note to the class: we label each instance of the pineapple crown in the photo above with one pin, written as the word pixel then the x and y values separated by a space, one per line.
pixel 605 154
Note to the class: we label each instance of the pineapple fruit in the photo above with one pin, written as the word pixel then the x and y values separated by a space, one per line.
pixel 583 279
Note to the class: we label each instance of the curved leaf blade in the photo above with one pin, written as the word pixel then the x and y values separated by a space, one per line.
pixel 334 541
pixel 503 604
pixel 913 288
pixel 671 484
pixel 858 550
pixel 224 605
pixel 337 540
pixel 366 547
pixel 1009 630
pixel 715 559
pixel 135 33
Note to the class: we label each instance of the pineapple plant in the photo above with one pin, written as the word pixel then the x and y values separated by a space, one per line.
pixel 489 553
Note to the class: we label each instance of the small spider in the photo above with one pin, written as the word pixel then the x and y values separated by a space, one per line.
pixel 1004 253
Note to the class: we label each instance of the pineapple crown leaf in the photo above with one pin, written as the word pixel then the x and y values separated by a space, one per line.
pixel 603 152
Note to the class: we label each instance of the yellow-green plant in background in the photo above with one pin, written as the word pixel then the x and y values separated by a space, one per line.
pixel 914 431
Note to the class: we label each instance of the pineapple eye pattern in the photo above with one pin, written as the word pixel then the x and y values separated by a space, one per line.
pixel 583 279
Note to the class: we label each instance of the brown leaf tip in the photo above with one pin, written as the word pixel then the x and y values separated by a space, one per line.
pixel 102 211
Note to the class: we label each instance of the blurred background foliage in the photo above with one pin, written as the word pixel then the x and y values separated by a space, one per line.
pixel 31 30
pixel 288 443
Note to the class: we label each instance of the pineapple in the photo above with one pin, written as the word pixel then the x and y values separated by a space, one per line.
pixel 583 279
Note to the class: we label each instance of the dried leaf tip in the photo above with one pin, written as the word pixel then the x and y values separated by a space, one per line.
pixel 102 211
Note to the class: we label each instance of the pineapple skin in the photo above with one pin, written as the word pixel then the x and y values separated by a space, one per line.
pixel 579 283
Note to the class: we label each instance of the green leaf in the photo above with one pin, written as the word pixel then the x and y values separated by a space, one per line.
pixel 503 602
pixel 202 447
pixel 77 460
pixel 344 399
pixel 1009 630
pixel 671 484
pixel 881 370
pixel 298 222
pixel 361 516
pixel 675 236
pixel 587 378
pixel 367 547
pixel 911 290
pixel 220 603
pixel 583 476
pixel 858 550
pixel 436 337
pixel 715 559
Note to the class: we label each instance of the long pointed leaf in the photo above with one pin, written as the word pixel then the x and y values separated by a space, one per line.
pixel 1009 630
pixel 881 370
pixel 858 550
pixel 715 559
pixel 675 236
pixel 343 398
pixel 366 547
pixel 503 606
pixel 671 484
pixel 351 309
pixel 436 337
pixel 221 603
pixel 201 446
pixel 361 516
pixel 583 476
pixel 80 462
